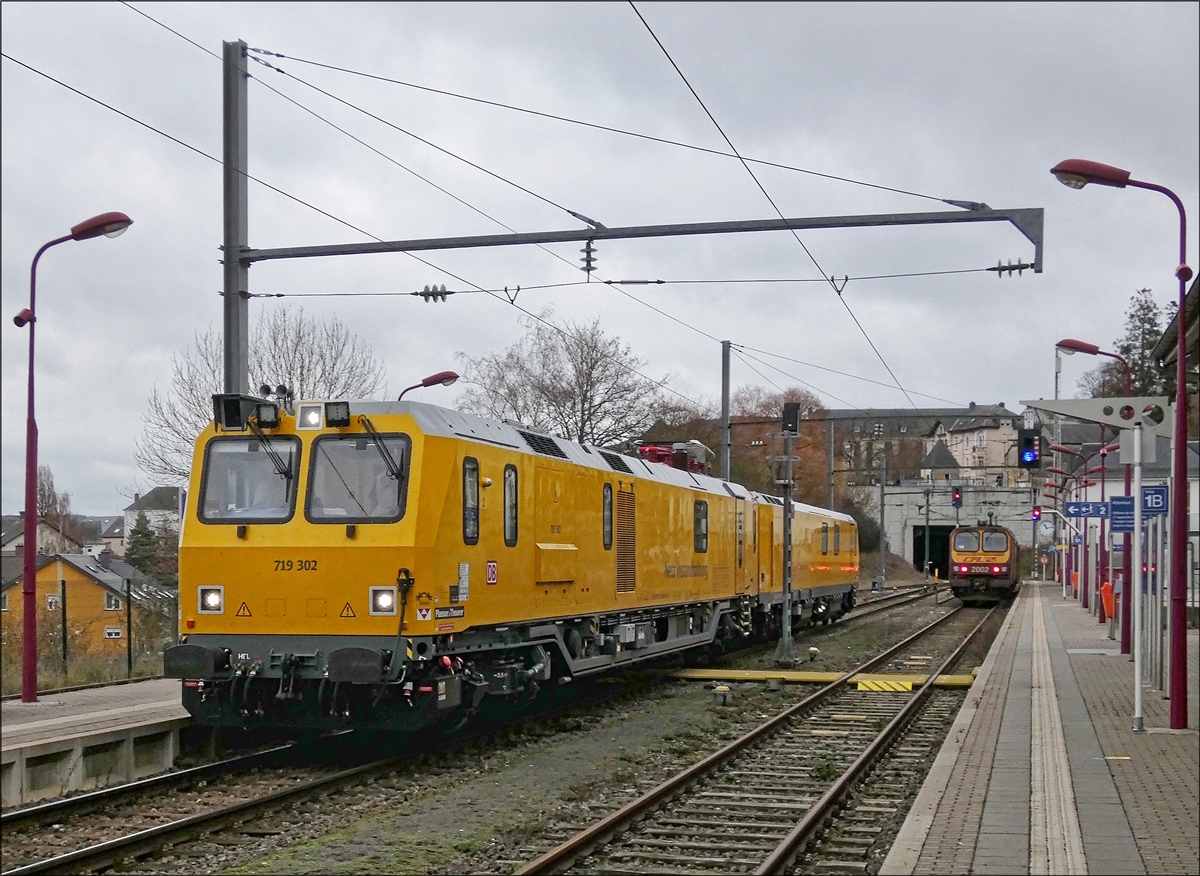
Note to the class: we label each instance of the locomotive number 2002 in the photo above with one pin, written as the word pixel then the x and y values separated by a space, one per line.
pixel 295 565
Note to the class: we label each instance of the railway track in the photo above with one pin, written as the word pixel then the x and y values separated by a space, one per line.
pixel 756 804
pixel 204 806
pixel 99 830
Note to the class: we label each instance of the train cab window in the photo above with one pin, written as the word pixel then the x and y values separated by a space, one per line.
pixel 824 538
pixel 966 542
pixel 995 542
pixel 470 500
pixel 358 479
pixel 608 517
pixel 249 480
pixel 837 538
pixel 701 530
pixel 510 505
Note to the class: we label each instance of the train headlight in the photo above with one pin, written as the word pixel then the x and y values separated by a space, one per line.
pixel 383 600
pixel 309 417
pixel 212 600
pixel 995 570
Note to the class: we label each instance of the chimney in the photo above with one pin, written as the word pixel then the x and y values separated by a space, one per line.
pixel 970 407
pixel 138 496
pixel 105 558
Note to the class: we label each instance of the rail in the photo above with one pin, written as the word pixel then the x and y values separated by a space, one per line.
pixel 565 854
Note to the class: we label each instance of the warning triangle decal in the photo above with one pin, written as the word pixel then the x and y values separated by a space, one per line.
pixel 244 611
pixel 347 611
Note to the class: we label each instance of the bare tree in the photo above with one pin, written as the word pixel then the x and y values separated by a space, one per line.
pixel 576 382
pixel 313 359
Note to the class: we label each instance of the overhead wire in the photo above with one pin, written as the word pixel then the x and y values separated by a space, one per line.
pixel 511 302
pixel 770 200
pixel 463 202
pixel 840 373
pixel 611 129
pixel 659 383
pixel 615 284
pixel 416 137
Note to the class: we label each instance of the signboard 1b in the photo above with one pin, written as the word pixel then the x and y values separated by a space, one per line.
pixel 1155 500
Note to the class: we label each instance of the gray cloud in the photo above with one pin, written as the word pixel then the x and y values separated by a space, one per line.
pixel 969 101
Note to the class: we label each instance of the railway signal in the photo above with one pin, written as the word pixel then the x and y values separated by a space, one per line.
pixel 1036 513
pixel 956 498
pixel 1029 448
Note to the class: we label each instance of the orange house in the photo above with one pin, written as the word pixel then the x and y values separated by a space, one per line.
pixel 84 589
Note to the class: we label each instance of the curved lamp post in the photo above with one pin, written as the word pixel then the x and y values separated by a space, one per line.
pixel 1070 346
pixel 109 225
pixel 445 378
pixel 1077 173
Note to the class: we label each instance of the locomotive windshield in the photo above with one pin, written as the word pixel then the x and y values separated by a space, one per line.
pixel 351 480
pixel 966 542
pixel 242 483
pixel 995 542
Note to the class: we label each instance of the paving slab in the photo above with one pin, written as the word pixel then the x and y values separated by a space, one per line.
pixel 1136 795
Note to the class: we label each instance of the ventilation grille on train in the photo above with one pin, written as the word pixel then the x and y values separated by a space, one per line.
pixel 626 543
pixel 615 462
pixel 543 444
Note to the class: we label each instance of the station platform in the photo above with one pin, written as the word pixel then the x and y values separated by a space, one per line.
pixel 88 738
pixel 1042 772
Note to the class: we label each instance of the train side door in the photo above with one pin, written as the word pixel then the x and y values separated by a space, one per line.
pixel 746 564
pixel 766 547
pixel 556 553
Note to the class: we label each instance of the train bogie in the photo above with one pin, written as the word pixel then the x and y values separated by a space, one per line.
pixel 392 564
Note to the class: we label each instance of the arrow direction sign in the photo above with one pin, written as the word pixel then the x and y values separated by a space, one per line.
pixel 1086 509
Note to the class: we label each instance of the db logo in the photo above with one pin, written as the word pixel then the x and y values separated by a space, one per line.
pixel 493 572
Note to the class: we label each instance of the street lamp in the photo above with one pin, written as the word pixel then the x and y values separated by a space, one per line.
pixel 445 378
pixel 1082 474
pixel 1076 173
pixel 1070 346
pixel 110 225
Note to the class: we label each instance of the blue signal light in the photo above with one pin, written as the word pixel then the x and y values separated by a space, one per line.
pixel 1029 456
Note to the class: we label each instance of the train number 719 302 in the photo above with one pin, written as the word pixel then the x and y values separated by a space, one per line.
pixel 295 565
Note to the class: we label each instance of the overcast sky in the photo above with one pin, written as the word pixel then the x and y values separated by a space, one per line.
pixel 961 101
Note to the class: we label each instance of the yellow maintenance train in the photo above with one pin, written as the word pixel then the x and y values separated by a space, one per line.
pixel 389 565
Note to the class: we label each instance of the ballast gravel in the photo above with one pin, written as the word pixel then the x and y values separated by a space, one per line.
pixel 500 802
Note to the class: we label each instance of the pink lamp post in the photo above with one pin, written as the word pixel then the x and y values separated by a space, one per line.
pixel 1077 173
pixel 1071 346
pixel 109 225
pixel 445 378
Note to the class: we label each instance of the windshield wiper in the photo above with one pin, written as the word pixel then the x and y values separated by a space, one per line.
pixel 281 468
pixel 393 470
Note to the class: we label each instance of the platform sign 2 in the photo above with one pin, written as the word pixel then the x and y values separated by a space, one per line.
pixel 1086 509
pixel 1155 500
